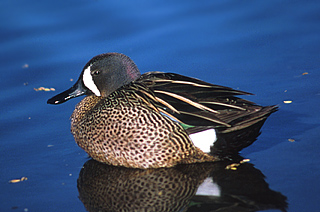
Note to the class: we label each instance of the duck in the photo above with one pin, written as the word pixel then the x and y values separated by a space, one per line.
pixel 157 119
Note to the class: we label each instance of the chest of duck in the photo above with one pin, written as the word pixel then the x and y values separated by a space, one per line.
pixel 123 130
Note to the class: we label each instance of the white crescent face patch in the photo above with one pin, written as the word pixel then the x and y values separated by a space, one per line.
pixel 88 81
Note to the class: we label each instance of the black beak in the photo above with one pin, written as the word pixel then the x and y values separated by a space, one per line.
pixel 76 90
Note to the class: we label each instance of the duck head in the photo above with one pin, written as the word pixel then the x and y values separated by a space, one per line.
pixel 101 76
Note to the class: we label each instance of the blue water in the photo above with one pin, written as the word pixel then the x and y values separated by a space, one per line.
pixel 262 47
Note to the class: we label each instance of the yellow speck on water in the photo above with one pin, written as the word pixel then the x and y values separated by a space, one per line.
pixel 235 165
pixel 44 89
pixel 245 160
pixel 291 140
pixel 305 73
pixel 25 66
pixel 15 181
pixel 18 180
pixel 287 101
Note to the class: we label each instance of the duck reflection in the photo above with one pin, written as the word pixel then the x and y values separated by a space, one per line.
pixel 221 186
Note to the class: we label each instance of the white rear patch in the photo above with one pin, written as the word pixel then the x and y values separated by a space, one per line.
pixel 204 140
pixel 209 188
pixel 88 81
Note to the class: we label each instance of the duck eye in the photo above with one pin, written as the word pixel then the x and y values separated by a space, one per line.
pixel 97 72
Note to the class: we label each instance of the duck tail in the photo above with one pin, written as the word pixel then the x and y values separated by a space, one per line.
pixel 232 140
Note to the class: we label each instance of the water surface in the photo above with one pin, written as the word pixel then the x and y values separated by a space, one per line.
pixel 270 48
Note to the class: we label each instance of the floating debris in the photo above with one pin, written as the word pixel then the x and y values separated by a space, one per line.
pixel 235 165
pixel 305 73
pixel 245 161
pixel 44 89
pixel 25 66
pixel 18 180
pixel 287 101
pixel 291 140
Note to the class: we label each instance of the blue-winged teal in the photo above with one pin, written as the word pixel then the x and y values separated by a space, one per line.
pixel 133 120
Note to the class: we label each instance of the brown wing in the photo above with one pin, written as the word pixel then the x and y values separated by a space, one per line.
pixel 199 103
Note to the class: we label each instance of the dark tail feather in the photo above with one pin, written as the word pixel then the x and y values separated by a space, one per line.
pixel 232 141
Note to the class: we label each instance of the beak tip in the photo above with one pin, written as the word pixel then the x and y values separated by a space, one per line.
pixel 52 101
pixel 74 91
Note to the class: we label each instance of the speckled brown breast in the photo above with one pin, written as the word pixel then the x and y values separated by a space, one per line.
pixel 123 130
